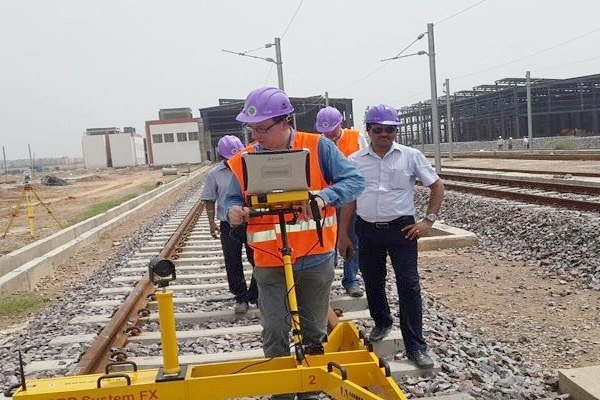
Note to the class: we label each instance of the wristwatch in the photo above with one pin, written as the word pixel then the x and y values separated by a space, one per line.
pixel 432 217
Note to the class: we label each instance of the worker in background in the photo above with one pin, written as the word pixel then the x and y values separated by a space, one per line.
pixel 500 143
pixel 267 112
pixel 329 123
pixel 510 143
pixel 386 226
pixel 216 184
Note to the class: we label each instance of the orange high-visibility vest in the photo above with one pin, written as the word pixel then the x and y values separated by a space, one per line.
pixel 348 143
pixel 264 233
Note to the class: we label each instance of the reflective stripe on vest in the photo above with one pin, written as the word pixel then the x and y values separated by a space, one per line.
pixel 306 226
pixel 263 232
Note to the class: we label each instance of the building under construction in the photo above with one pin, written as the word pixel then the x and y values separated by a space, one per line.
pixel 216 122
pixel 558 107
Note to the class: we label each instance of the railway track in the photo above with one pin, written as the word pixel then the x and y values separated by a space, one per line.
pixel 119 320
pixel 558 192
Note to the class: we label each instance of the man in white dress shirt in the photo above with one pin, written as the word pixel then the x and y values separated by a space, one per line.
pixel 386 225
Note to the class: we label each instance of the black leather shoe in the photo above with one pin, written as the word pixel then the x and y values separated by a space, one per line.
pixel 378 333
pixel 420 359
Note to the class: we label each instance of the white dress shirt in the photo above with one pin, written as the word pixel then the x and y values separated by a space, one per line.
pixel 389 181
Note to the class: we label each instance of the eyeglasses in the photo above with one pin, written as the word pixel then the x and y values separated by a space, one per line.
pixel 387 129
pixel 261 130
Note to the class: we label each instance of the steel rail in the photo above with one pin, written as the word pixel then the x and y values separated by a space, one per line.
pixel 113 336
pixel 549 155
pixel 554 173
pixel 555 186
pixel 541 199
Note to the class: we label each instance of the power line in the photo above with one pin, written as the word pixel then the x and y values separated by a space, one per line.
pixel 268 74
pixel 292 20
pixel 566 65
pixel 460 12
pixel 529 55
pixel 420 36
pixel 363 78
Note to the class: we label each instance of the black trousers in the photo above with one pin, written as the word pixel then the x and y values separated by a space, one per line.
pixel 376 242
pixel 232 240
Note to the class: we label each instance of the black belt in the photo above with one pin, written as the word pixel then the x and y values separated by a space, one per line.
pixel 398 222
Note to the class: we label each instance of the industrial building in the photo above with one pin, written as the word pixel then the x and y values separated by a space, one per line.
pixel 558 107
pixel 111 147
pixel 173 138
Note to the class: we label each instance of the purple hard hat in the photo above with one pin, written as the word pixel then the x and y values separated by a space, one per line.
pixel 263 104
pixel 382 114
pixel 328 119
pixel 229 146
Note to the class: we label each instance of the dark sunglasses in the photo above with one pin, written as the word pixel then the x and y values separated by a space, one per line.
pixel 387 129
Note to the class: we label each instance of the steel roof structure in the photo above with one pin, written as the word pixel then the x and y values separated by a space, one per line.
pixel 559 107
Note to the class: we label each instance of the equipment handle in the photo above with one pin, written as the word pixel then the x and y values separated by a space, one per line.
pixel 314 208
pixel 342 370
pixel 110 376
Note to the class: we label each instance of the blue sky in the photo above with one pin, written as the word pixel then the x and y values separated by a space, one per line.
pixel 69 65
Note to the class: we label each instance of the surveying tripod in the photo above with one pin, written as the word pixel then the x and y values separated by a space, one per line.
pixel 346 368
pixel 27 199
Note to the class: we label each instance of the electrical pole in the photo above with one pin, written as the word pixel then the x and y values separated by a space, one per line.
pixel 326 99
pixel 435 120
pixel 529 119
pixel 5 164
pixel 449 119
pixel 30 160
pixel 421 128
pixel 279 63
pixel 277 60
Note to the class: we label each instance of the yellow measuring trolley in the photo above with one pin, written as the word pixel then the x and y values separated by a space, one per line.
pixel 345 367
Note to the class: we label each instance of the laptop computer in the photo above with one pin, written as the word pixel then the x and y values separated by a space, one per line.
pixel 276 171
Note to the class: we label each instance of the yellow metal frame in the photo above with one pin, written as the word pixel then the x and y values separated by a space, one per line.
pixel 277 200
pixel 348 368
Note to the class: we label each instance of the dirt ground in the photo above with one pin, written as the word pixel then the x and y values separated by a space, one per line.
pixel 547 321
pixel 66 204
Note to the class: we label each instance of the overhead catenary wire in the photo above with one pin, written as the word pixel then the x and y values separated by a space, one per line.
pixel 269 59
pixel 283 34
pixel 292 19
pixel 458 13
pixel 529 55
pixel 420 36
pixel 569 64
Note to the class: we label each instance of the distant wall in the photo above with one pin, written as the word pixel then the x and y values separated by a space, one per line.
pixel 122 151
pixel 94 151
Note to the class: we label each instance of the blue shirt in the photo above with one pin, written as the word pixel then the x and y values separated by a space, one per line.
pixel 216 184
pixel 390 181
pixel 346 183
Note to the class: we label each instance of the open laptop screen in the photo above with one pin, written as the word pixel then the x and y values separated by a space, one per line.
pixel 276 171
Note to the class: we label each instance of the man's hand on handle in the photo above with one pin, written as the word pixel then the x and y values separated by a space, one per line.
pixel 238 215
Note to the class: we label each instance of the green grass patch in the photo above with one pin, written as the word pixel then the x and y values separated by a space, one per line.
pixel 561 144
pixel 102 207
pixel 16 305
